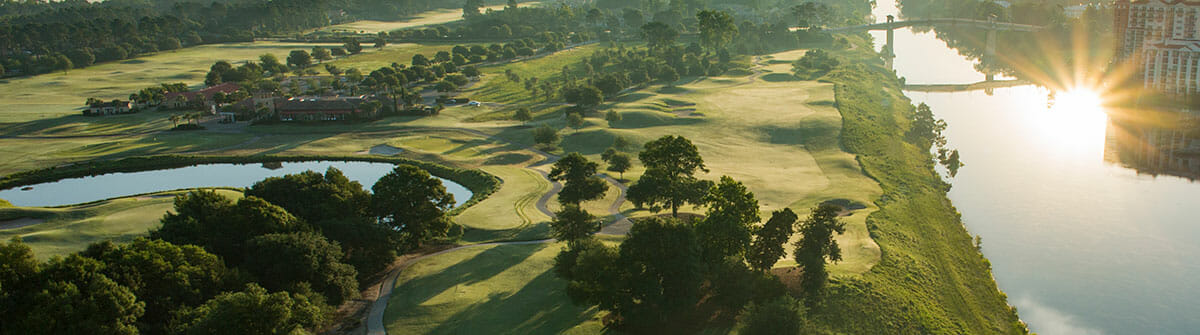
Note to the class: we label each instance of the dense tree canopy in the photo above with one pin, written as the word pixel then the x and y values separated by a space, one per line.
pixel 816 247
pixel 208 219
pixel 77 298
pixel 166 277
pixel 283 261
pixel 578 176
pixel 314 197
pixel 252 311
pixel 669 182
pixel 769 240
pixel 413 202
pixel 572 224
pixel 726 229
pixel 717 29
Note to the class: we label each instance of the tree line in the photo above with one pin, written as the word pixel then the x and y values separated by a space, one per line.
pixel 673 274
pixel 277 261
pixel 38 38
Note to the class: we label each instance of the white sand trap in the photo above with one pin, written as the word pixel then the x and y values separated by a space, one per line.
pixel 18 223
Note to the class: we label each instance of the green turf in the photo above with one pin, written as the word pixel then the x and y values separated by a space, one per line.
pixel 487 290
pixel 55 94
pixel 433 17
pixel 65 230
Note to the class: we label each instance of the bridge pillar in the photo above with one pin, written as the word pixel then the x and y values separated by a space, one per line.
pixel 990 49
pixel 890 47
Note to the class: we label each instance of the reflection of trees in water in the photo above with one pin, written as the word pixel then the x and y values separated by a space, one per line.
pixel 1155 143
pixel 1047 57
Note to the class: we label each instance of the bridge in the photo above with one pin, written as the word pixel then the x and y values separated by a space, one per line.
pixel 891 24
pixel 987 86
pixel 991 25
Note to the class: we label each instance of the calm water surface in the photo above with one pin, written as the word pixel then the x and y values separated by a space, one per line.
pixel 87 189
pixel 1080 243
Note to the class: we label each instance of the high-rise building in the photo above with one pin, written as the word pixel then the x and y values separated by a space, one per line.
pixel 1162 38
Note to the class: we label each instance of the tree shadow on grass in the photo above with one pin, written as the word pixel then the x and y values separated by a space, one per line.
pixel 540 307
pixel 466 145
pixel 813 134
pixel 779 77
pixel 632 97
pixel 481 267
pixel 531 232
pixel 650 119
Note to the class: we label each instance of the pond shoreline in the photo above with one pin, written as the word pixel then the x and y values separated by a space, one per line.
pixel 479 183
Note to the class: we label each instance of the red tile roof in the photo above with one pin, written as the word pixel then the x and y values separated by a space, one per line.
pixel 207 93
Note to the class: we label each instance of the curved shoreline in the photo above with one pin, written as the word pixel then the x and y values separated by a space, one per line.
pixel 480 183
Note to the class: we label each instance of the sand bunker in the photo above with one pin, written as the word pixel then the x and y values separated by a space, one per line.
pixel 384 150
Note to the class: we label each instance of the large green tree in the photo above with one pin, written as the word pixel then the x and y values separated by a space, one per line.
pixel 666 270
pixel 651 282
pixel 314 197
pixel 77 298
pixel 19 279
pixel 782 315
pixel 252 311
pixel 617 161
pixel 726 229
pixel 769 239
pixel 669 182
pixel 717 29
pixel 166 277
pixel 658 34
pixel 572 224
pixel 411 200
pixel 208 219
pixel 299 59
pixel 816 247
pixel 283 261
pixel 578 176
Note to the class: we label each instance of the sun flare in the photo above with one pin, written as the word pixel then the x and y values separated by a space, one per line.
pixel 1075 121
pixel 1078 101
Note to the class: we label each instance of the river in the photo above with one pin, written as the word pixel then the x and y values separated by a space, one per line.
pixel 112 185
pixel 1081 243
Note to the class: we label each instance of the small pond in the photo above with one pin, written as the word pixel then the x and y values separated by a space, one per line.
pixel 113 185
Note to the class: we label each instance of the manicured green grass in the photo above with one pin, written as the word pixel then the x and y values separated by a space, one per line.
pixel 433 17
pixel 56 94
pixel 20 154
pixel 400 53
pixel 499 89
pixel 65 230
pixel 779 138
pixel 508 289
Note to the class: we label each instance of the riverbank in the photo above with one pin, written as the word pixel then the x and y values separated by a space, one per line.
pixel 931 279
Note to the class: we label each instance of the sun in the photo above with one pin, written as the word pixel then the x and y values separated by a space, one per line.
pixel 1074 122
pixel 1078 101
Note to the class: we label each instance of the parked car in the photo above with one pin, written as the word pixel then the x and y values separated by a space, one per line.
pixel 473 104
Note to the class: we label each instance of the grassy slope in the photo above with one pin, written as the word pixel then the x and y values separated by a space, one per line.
pixel 55 94
pixel 508 289
pixel 433 17
pixel 787 156
pixel 70 229
pixel 931 279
